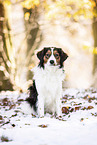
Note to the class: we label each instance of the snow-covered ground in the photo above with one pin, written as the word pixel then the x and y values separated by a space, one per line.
pixel 78 125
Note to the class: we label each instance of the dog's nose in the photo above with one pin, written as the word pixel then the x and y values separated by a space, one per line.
pixel 52 61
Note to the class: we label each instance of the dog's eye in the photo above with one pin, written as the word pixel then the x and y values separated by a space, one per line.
pixel 47 55
pixel 56 55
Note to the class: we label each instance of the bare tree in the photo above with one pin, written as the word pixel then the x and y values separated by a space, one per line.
pixel 4 59
pixel 95 45
pixel 19 40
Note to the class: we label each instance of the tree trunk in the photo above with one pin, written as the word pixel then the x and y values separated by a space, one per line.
pixel 33 36
pixel 19 45
pixel 23 43
pixel 95 46
pixel 4 81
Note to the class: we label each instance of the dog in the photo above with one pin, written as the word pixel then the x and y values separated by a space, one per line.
pixel 46 92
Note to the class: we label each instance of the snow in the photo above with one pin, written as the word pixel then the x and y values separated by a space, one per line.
pixel 77 126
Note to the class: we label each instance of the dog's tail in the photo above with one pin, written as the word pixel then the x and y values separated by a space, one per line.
pixel 32 99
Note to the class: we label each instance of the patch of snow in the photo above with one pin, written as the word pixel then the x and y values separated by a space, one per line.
pixel 75 128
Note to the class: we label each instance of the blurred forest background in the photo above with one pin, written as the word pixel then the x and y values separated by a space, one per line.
pixel 28 25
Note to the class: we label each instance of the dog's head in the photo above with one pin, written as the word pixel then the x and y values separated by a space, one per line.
pixel 51 56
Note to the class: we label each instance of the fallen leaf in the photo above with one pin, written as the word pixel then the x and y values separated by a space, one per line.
pixel 90 107
pixel 94 114
pixel 77 108
pixel 81 119
pixel 65 110
pixel 43 126
pixel 5 139
pixel 1 118
pixel 83 108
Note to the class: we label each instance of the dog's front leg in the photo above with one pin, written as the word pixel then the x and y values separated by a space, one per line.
pixel 40 106
pixel 58 105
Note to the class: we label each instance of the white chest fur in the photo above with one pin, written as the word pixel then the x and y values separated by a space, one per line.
pixel 49 87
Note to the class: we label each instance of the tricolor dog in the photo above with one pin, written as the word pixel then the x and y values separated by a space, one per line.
pixel 46 92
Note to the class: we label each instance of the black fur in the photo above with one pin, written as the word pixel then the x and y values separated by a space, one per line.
pixel 32 99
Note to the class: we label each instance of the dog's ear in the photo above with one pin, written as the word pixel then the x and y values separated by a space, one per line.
pixel 64 56
pixel 40 54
